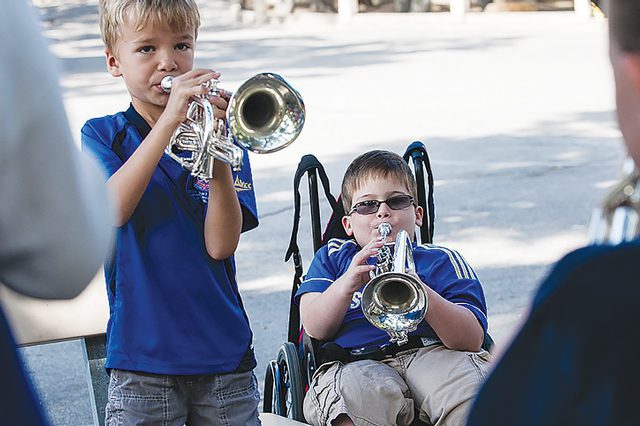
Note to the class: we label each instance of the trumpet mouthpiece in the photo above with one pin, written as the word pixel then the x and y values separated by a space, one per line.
pixel 166 82
pixel 384 229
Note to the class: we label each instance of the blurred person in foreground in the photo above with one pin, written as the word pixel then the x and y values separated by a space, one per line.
pixel 54 217
pixel 574 362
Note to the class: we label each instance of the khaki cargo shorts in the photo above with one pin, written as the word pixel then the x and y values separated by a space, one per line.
pixel 439 383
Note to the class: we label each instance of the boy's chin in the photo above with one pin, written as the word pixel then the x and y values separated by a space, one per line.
pixel 160 101
pixel 161 97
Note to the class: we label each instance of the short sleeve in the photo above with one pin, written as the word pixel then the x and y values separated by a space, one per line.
pixel 93 142
pixel 320 276
pixel 243 182
pixel 448 273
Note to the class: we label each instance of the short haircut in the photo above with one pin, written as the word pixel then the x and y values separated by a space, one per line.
pixel 179 15
pixel 376 164
pixel 624 24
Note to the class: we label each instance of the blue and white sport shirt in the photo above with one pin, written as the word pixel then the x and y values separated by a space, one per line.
pixel 173 309
pixel 442 269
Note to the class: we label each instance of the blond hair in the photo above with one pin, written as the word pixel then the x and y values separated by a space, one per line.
pixel 376 164
pixel 179 15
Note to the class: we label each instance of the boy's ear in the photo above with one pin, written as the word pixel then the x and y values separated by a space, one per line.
pixel 419 215
pixel 113 66
pixel 346 224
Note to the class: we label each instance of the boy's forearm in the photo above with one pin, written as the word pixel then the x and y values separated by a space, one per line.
pixel 223 221
pixel 455 325
pixel 322 313
pixel 128 184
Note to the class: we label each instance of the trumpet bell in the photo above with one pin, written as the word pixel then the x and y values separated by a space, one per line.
pixel 615 227
pixel 265 114
pixel 396 303
pixel 394 300
pixel 618 218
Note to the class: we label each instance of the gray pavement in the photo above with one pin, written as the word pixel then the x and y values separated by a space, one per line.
pixel 516 110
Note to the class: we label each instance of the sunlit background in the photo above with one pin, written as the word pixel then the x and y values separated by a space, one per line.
pixel 516 109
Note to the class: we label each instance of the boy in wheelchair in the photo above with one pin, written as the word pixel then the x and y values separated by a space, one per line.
pixel 364 379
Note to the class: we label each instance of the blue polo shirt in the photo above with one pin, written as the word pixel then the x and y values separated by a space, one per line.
pixel 442 269
pixel 173 309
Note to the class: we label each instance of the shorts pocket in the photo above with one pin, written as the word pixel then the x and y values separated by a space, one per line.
pixel 137 396
pixel 481 361
pixel 236 385
pixel 238 397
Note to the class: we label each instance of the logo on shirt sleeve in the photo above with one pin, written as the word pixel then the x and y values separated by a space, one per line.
pixel 242 185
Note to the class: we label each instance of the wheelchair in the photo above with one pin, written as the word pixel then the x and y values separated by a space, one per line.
pixel 287 376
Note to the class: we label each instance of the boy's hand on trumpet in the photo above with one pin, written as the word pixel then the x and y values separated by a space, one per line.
pixel 359 269
pixel 183 88
pixel 220 103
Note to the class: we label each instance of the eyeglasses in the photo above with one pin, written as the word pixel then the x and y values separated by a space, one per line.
pixel 397 202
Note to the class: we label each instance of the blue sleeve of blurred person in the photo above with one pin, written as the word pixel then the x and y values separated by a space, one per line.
pixel 54 218
pixel 18 403
pixel 574 362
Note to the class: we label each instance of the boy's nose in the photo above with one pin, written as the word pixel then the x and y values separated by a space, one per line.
pixel 383 210
pixel 167 63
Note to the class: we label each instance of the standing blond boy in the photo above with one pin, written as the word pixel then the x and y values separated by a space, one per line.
pixel 179 345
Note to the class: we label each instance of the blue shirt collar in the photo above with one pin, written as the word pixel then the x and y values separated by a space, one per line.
pixel 136 119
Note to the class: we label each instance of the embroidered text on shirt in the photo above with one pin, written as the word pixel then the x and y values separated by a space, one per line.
pixel 241 185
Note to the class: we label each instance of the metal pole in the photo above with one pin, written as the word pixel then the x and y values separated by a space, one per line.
pixel 582 8
pixel 346 10
pixel 95 351
pixel 458 8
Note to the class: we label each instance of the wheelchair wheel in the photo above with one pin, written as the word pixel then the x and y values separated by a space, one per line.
pixel 291 392
pixel 309 365
pixel 272 383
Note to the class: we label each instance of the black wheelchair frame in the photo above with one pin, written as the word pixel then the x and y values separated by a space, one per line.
pixel 287 377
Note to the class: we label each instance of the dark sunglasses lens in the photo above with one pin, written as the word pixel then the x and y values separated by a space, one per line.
pixel 367 207
pixel 400 202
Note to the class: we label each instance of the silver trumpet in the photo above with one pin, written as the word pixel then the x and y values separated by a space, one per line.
pixel 264 115
pixel 618 218
pixel 393 300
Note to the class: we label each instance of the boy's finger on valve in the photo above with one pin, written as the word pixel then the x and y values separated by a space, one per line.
pixel 219 104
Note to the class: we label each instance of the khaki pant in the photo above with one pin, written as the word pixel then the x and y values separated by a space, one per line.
pixel 439 383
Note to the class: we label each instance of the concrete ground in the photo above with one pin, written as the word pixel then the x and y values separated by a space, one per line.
pixel 516 109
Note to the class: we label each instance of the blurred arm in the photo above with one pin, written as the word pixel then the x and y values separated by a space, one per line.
pixel 54 217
